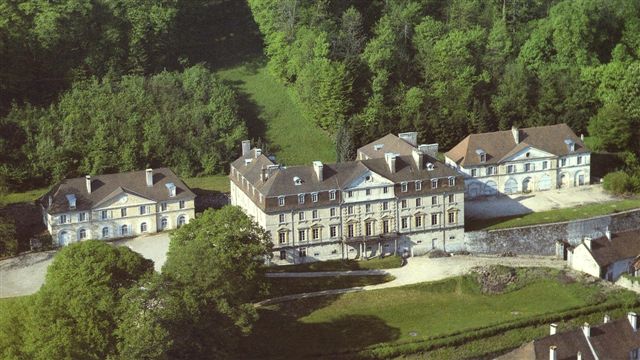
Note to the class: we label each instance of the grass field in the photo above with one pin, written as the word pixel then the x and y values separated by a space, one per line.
pixel 288 286
pixel 327 325
pixel 543 217
pixel 341 265
pixel 271 114
pixel 20 197
pixel 210 183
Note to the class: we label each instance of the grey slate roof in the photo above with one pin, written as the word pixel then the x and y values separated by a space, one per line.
pixel 106 186
pixel 623 245
pixel 500 145
pixel 390 143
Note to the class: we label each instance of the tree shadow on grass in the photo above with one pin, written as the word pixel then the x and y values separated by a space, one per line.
pixel 279 334
pixel 206 199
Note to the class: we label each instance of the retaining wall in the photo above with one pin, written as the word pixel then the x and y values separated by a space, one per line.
pixel 541 239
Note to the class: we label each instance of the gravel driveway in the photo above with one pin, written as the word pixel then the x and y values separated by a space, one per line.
pixel 23 275
pixel 518 204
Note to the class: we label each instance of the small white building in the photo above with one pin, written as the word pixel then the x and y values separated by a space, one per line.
pixel 521 160
pixel 116 205
pixel 607 257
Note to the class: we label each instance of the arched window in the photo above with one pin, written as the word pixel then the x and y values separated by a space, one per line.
pixel 181 220
pixel 105 232
pixel 63 238
pixel 82 234
pixel 163 223
pixel 143 227
pixel 124 230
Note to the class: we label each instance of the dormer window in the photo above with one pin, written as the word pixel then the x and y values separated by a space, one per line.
pixel 418 185
pixel 452 181
pixel 482 155
pixel 280 200
pixel 172 189
pixel 332 195
pixel 434 183
pixel 570 145
pixel 404 186
pixel 378 147
pixel 429 166
pixel 314 197
pixel 300 198
pixel 71 198
pixel 297 181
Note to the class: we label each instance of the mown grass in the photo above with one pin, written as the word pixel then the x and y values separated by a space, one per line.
pixel 271 114
pixel 331 325
pixel 387 262
pixel 218 183
pixel 297 285
pixel 558 215
pixel 21 197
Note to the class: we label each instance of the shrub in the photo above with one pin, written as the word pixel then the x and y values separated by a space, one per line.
pixel 618 182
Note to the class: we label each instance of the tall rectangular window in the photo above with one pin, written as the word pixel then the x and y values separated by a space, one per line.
pixel 280 200
pixel 143 210
pixel 511 169
pixel 563 162
pixel 403 204
pixel 333 231
pixel 282 237
pixel 385 205
pixel 281 218
pixel 527 167
pixel 82 216
pixel 418 220
pixel 474 172
pixel 385 226
pixel 385 190
pixel 452 181
pixel 333 212
pixel 452 217
pixel 434 219
pixel 418 185
pixel 367 192
pixel 63 219
pixel 368 228
pixel 418 202
pixel 123 212
pixel 103 215
pixel 350 230
pixel 315 234
pixel 163 206
pixel 434 200
pixel 544 165
pixel 349 193
pixel 301 215
pixel 434 183
pixel 314 197
pixel 404 186
pixel 404 222
pixel 579 160
pixel 300 198
pixel 367 208
pixel 181 203
pixel 332 195
pixel 451 198
pixel 314 214
pixel 350 209
pixel 283 255
pixel 302 235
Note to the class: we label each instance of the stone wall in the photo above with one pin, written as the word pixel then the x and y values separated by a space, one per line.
pixel 628 283
pixel 541 239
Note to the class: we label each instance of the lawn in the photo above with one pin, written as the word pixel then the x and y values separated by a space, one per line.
pixel 543 217
pixel 271 114
pixel 341 265
pixel 218 183
pixel 327 325
pixel 287 286
pixel 21 197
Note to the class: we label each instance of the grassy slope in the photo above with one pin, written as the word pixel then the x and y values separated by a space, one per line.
pixel 272 114
pixel 331 324
pixel 580 212
pixel 341 265
pixel 20 197
pixel 288 286
pixel 212 183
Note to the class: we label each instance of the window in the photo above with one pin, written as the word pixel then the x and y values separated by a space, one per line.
pixel 301 215
pixel 451 198
pixel 82 234
pixel 511 169
pixel 301 235
pixel 163 206
pixel 164 222
pixel 434 200
pixel 434 219
pixel 385 190
pixel 483 157
pixel 63 219
pixel 124 230
pixel 349 193
pixel 143 227
pixel 281 218
pixel 452 181
pixel 181 203
pixel 544 165
pixel 333 231
pixel 404 186
pixel 333 211
pixel 579 160
pixel 527 167
pixel 367 208
pixel 181 220
pixel 300 198
pixel 418 220
pixel 474 172
pixel 314 197
pixel 404 222
pixel 123 212
pixel 418 202
pixel 302 252
pixel 82 216
pixel 367 192
pixel 315 234
pixel 563 162
pixel 434 183
pixel 283 255
pixel 280 200
pixel 350 209
pixel 105 232
pixel 385 226
pixel 368 228
pixel 103 215
pixel 403 204
pixel 350 230
pixel 491 170
pixel 452 217
pixel 418 185
pixel 385 205
pixel 282 237
pixel 314 214
pixel 143 210
pixel 332 195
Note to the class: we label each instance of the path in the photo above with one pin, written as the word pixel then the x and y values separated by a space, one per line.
pixel 419 269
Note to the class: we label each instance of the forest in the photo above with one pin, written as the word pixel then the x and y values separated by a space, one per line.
pixel 99 86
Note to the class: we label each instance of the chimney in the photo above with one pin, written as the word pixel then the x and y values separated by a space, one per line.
pixel 149 173
pixel 633 320
pixel 607 233
pixel 586 329
pixel 579 355
pixel 587 242
pixel 258 152
pixel 246 147
pixel 390 158
pixel 553 329
pixel 552 353
pixel 87 180
pixel 418 158
pixel 516 134
pixel 429 149
pixel 582 137
pixel 607 318
pixel 410 137
pixel 317 168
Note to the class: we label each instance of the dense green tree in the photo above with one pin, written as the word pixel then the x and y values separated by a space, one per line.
pixel 8 241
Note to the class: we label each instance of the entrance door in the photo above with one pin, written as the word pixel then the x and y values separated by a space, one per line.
pixel 525 185
pixel 563 180
pixel 580 180
pixel 510 187
pixel 63 238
